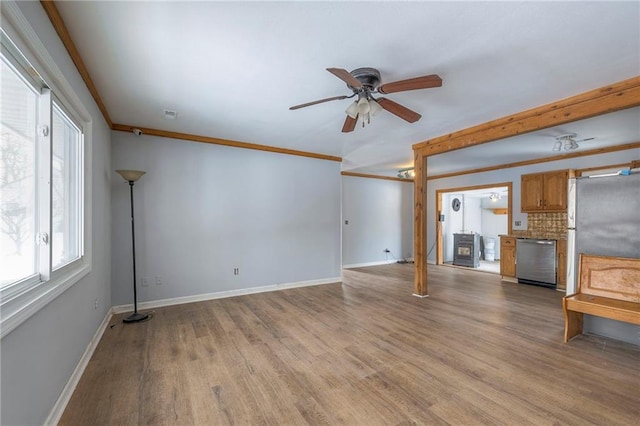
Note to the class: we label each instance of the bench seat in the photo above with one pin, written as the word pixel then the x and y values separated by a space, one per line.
pixel 610 276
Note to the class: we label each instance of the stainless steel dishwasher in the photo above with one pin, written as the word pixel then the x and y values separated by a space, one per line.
pixel 536 261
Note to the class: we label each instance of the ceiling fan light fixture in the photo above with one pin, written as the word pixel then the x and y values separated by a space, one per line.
pixel 352 111
pixel 374 107
pixel 363 106
pixel 567 142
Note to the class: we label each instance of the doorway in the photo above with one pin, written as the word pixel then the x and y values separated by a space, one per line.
pixel 478 215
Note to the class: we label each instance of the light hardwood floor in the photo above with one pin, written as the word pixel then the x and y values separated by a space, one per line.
pixel 365 352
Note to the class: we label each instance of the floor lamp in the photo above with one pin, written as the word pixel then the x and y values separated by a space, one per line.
pixel 132 176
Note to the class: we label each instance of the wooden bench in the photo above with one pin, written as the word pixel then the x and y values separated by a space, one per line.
pixel 608 287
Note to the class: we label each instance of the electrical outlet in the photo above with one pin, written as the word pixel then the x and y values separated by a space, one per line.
pixel 236 271
pixel 145 282
pixel 95 304
pixel 158 280
pixel 517 223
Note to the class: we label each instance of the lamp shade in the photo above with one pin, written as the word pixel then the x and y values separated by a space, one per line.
pixel 363 106
pixel 352 111
pixel 374 107
pixel 130 175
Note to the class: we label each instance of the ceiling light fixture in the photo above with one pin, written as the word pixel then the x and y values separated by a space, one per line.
pixel 566 142
pixel 170 115
pixel 364 108
pixel 494 196
pixel 407 173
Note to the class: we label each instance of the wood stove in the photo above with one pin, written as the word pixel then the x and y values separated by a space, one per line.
pixel 466 250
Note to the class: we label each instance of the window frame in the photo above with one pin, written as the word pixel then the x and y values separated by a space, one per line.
pixel 22 299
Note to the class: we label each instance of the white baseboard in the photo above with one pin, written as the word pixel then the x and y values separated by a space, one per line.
pixel 58 408
pixel 222 294
pixel 363 265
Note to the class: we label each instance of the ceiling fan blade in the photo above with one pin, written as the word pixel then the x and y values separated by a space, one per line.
pixel 335 98
pixel 349 124
pixel 424 82
pixel 397 109
pixel 345 76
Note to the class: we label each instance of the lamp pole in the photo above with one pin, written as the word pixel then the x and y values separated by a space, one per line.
pixel 131 176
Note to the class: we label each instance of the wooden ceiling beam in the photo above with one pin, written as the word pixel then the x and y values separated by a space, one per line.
pixel 615 97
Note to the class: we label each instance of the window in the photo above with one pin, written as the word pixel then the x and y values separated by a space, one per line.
pixel 66 211
pixel 18 117
pixel 42 190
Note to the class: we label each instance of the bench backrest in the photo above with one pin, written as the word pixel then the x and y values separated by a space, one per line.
pixel 613 277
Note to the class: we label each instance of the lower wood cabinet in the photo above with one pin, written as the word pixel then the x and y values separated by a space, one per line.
pixel 508 257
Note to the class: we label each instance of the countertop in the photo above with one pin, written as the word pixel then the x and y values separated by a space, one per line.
pixel 532 236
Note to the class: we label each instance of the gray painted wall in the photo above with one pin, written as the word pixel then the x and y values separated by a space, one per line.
pixel 380 215
pixel 40 355
pixel 203 210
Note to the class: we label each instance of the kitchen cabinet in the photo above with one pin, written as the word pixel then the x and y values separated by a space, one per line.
pixel 561 250
pixel 508 257
pixel 544 192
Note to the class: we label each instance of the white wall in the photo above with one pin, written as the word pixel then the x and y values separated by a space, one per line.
pixel 380 215
pixel 203 210
pixel 39 356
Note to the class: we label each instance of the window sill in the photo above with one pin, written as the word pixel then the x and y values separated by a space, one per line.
pixel 18 309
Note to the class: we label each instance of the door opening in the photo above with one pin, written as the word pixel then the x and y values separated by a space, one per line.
pixel 469 220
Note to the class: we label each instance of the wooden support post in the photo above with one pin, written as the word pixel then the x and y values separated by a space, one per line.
pixel 420 225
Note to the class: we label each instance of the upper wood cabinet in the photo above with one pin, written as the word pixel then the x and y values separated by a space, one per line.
pixel 544 192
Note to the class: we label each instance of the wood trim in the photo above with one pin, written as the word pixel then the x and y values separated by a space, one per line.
pixel 618 96
pixel 419 228
pixel 225 142
pixel 439 192
pixel 596 151
pixel 580 172
pixel 364 175
pixel 58 24
pixel 500 211
pixel 439 242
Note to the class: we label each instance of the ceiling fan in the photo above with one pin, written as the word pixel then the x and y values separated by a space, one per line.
pixel 568 142
pixel 365 82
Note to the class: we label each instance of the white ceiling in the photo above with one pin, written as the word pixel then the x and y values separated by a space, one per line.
pixel 232 69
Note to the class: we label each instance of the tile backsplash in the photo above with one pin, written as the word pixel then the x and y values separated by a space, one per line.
pixel 545 225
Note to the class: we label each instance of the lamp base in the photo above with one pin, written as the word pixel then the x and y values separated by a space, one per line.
pixel 137 317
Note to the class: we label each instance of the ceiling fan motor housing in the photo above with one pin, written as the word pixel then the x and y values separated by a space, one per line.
pixel 369 77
